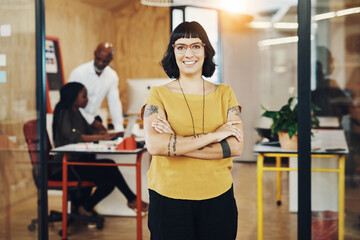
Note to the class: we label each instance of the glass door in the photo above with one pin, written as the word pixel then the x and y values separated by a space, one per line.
pixel 18 191
pixel 336 91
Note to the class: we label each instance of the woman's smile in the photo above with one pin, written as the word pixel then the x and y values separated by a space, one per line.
pixel 189 63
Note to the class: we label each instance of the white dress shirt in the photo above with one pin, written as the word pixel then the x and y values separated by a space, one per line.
pixel 97 88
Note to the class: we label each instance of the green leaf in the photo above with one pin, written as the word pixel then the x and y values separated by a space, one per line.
pixel 263 108
pixel 290 100
pixel 285 119
pixel 291 134
pixel 269 114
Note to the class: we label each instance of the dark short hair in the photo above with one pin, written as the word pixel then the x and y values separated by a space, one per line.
pixel 188 30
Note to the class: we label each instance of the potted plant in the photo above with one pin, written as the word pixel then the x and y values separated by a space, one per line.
pixel 285 123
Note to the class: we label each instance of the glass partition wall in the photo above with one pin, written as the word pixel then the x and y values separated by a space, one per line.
pixel 18 192
pixel 335 90
pixel 277 81
pixel 335 79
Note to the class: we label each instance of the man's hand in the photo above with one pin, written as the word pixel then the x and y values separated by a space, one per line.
pixel 113 136
pixel 98 127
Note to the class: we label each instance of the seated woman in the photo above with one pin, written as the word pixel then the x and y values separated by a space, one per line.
pixel 69 126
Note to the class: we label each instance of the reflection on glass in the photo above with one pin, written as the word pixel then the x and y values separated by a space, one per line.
pixel 18 193
pixel 337 59
pixel 328 95
pixel 335 80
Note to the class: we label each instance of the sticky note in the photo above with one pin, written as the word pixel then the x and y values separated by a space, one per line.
pixel 2 60
pixel 5 30
pixel 2 76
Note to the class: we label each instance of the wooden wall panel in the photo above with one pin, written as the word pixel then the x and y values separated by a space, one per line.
pixel 80 28
pixel 17 94
pixel 110 5
pixel 139 35
pixel 17 99
pixel 142 34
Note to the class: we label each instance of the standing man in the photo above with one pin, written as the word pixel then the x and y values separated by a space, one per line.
pixel 100 80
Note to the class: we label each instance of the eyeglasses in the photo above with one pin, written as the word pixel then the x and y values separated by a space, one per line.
pixel 181 48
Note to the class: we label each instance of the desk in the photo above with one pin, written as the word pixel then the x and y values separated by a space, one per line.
pixel 115 204
pixel 96 149
pixel 325 139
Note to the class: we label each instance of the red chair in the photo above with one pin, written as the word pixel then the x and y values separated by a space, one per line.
pixel 30 132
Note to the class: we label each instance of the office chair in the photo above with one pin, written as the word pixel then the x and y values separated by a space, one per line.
pixel 30 133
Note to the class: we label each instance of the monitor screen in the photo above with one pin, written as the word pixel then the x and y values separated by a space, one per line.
pixel 138 90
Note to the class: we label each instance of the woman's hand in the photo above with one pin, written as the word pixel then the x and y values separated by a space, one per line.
pixel 162 126
pixel 228 129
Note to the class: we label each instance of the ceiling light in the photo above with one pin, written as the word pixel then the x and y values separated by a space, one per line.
pixel 164 3
pixel 260 25
pixel 324 16
pixel 348 11
pixel 228 5
pixel 285 25
pixel 277 41
pixel 232 5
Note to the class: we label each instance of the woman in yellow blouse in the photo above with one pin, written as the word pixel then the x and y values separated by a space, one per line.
pixel 192 129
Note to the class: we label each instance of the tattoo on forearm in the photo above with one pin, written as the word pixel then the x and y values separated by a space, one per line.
pixel 234 109
pixel 209 146
pixel 150 109
pixel 174 145
pixel 169 145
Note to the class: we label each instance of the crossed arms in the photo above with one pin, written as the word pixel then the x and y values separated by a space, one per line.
pixel 162 140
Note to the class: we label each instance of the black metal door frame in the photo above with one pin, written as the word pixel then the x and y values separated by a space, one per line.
pixel 304 120
pixel 42 201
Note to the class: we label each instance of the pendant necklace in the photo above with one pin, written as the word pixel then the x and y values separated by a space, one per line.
pixel 192 118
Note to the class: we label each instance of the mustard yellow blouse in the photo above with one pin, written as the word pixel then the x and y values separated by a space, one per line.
pixel 184 177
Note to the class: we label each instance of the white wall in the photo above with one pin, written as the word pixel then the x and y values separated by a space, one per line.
pixel 257 77
pixel 239 71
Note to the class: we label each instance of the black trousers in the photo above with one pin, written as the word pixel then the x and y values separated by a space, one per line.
pixel 211 219
pixel 106 178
